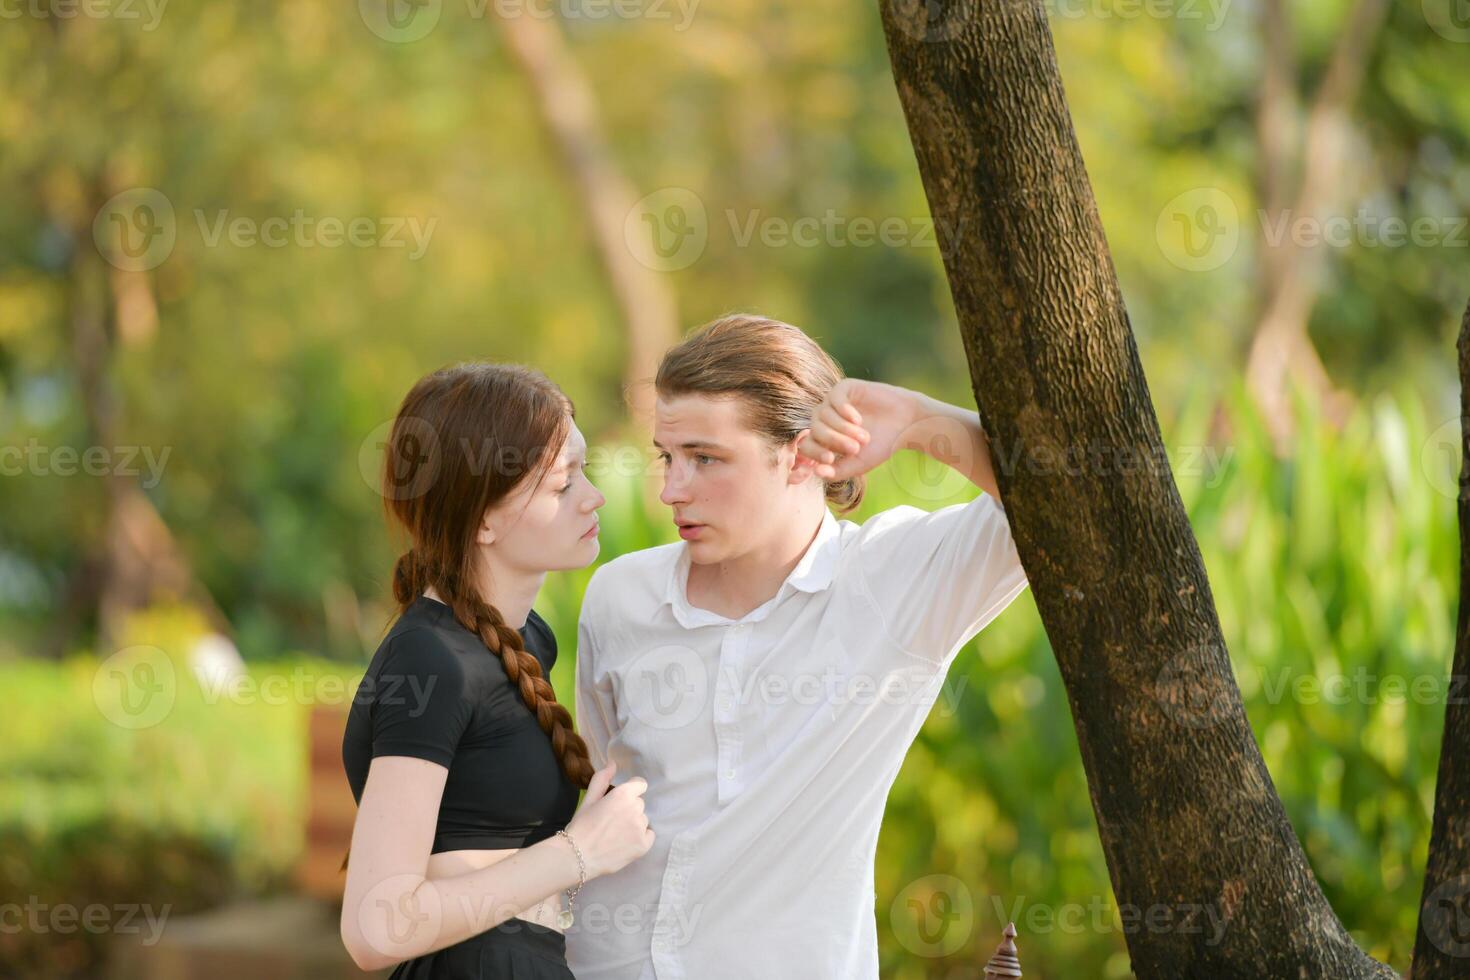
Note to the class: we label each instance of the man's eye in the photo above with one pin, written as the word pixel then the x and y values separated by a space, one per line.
pixel 704 459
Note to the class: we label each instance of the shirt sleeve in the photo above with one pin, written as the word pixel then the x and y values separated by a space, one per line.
pixel 937 579
pixel 596 710
pixel 420 707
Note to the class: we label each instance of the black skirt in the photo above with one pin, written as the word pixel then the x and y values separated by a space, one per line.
pixel 514 950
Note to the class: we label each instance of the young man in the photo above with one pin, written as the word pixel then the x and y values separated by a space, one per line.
pixel 767 674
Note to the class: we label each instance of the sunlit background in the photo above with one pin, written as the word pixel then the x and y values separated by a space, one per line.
pixel 234 234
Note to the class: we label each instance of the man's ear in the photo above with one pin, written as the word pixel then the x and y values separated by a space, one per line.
pixel 803 468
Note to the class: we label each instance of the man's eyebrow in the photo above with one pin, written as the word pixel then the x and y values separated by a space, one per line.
pixel 694 444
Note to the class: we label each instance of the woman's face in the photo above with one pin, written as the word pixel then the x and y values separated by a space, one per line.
pixel 550 525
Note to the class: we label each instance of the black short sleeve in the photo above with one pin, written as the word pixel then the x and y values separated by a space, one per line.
pixel 419 702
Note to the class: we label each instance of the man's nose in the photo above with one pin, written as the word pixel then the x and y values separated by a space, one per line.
pixel 674 487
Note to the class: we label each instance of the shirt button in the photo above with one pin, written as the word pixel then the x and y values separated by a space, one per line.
pixel 729 773
pixel 725 704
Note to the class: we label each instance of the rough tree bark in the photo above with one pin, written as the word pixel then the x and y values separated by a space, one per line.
pixel 1442 945
pixel 1185 807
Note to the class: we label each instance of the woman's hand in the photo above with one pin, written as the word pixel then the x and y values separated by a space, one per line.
pixel 610 826
pixel 859 425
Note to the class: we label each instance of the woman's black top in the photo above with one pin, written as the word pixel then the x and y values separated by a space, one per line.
pixel 434 691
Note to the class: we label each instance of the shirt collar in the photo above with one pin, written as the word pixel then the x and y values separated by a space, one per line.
pixel 813 573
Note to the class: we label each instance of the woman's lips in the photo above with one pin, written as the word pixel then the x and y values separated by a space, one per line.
pixel 591 532
pixel 690 531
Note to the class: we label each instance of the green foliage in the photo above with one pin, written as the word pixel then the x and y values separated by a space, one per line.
pixel 197 803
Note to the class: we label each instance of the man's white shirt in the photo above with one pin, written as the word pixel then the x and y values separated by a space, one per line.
pixel 770 742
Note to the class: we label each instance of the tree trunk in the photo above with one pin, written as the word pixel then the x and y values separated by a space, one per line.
pixel 137 561
pixel 1442 946
pixel 1190 823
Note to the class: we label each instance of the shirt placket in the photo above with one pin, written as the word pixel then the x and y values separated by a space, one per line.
pixel 673 909
pixel 729 739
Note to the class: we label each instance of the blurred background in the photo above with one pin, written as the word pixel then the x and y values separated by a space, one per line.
pixel 235 234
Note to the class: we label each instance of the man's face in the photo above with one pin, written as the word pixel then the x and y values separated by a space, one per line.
pixel 728 487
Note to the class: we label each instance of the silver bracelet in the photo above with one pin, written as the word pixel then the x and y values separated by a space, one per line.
pixel 564 918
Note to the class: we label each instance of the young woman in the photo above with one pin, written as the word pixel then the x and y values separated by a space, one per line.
pixel 465 767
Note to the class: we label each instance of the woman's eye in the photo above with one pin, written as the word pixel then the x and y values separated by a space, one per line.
pixel 704 459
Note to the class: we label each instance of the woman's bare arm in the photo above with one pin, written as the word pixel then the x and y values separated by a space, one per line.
pixel 391 911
